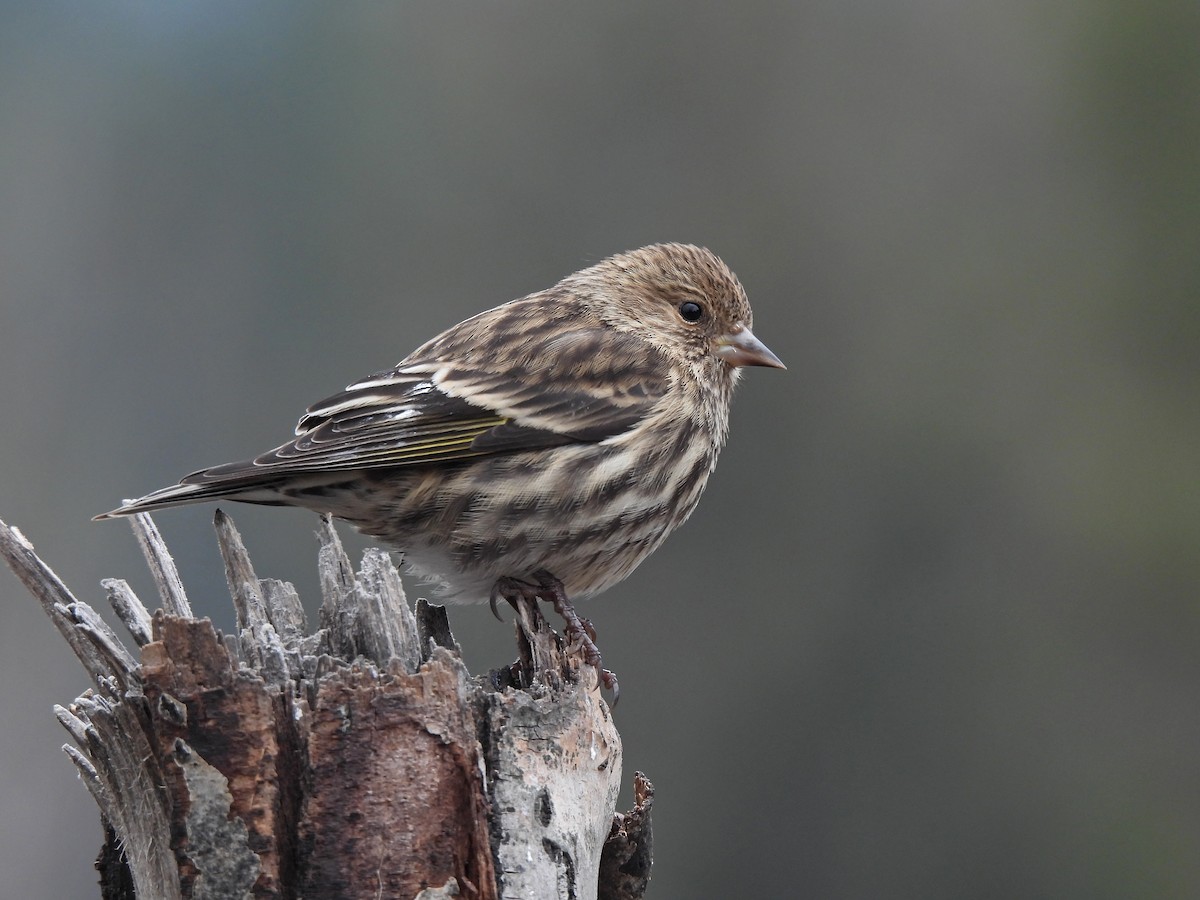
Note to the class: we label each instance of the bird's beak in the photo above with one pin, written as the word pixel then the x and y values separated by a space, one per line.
pixel 741 348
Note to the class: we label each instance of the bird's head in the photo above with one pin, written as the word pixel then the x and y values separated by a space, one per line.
pixel 682 298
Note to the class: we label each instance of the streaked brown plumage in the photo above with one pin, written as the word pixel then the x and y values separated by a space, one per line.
pixel 568 432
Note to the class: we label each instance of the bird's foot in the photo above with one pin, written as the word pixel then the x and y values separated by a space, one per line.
pixel 578 632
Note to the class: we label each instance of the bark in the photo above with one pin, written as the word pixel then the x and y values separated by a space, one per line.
pixel 359 760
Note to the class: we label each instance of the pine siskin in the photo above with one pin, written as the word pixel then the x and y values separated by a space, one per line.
pixel 543 448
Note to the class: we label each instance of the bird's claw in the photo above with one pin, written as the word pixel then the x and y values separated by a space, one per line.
pixel 608 678
pixel 495 597
pixel 579 634
pixel 510 590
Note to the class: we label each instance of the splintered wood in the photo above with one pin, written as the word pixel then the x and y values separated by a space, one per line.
pixel 361 760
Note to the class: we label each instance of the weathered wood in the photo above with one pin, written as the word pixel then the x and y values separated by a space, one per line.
pixel 358 761
pixel 161 565
pixel 379 750
pixel 629 850
pixel 560 767
pixel 129 609
pixel 53 596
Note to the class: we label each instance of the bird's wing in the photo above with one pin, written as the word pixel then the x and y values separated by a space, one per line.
pixel 558 386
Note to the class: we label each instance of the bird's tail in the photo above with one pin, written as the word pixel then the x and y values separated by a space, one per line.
pixel 183 494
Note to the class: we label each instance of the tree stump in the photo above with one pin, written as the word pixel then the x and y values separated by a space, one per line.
pixel 361 760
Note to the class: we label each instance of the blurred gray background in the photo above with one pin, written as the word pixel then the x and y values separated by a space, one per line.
pixel 933 632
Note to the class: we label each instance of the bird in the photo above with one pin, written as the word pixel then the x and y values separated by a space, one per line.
pixel 541 449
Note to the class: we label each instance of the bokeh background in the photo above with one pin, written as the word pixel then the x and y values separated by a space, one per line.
pixel 934 631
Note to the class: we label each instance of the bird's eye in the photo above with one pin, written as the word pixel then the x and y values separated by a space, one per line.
pixel 690 311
